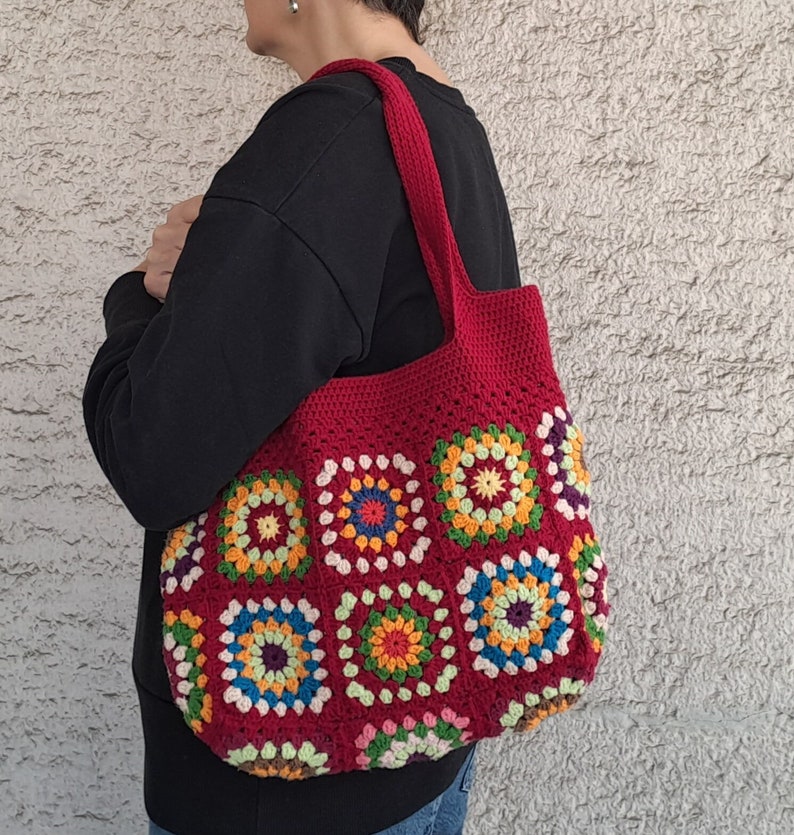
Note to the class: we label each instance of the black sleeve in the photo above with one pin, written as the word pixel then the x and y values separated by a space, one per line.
pixel 181 394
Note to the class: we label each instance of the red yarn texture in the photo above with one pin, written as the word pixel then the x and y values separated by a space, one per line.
pixel 407 563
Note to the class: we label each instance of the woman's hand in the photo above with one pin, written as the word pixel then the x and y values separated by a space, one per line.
pixel 167 242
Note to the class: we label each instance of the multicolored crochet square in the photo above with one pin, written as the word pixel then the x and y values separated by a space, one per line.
pixel 272 657
pixel 285 760
pixel 564 449
pixel 180 562
pixel 185 662
pixel 414 740
pixel 517 613
pixel 371 513
pixel 591 577
pixel 262 529
pixel 527 715
pixel 395 644
pixel 488 488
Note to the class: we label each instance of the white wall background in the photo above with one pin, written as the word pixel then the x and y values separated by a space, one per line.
pixel 647 153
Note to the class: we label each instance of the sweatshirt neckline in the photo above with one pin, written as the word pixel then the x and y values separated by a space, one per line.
pixel 450 94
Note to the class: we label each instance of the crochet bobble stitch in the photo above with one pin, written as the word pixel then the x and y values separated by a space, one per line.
pixel 283 552
pixel 183 640
pixel 392 643
pixel 564 442
pixel 465 456
pixel 373 504
pixel 539 706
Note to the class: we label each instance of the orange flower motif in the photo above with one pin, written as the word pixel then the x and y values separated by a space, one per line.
pixel 480 495
pixel 258 529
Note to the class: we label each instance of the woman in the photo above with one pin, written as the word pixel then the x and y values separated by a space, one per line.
pixel 300 263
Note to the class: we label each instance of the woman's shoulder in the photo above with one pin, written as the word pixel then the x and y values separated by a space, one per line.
pixel 291 136
pixel 329 92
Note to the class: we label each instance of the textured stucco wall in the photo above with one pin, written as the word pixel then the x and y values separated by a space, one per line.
pixel 646 152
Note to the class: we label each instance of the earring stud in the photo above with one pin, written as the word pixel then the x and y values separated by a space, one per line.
pixel 293 6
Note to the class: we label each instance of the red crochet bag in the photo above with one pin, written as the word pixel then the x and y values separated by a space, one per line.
pixel 406 564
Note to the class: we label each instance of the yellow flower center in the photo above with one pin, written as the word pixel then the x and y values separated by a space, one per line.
pixel 488 483
pixel 268 527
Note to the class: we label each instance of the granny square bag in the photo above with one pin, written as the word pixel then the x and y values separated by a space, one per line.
pixel 406 564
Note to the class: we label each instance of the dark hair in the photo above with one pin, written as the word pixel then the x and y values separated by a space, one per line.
pixel 408 11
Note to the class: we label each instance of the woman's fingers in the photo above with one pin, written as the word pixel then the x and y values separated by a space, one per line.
pixel 186 211
pixel 168 240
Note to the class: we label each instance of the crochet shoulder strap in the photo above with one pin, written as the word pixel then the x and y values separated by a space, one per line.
pixel 419 173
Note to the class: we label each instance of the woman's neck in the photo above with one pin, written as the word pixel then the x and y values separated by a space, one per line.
pixel 319 34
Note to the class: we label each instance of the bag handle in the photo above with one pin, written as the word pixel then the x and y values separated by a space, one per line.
pixel 416 164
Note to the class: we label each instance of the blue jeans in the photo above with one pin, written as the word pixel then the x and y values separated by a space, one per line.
pixel 443 816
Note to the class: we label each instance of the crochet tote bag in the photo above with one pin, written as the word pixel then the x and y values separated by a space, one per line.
pixel 406 564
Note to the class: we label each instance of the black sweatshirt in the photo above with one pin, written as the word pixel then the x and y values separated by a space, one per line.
pixel 303 264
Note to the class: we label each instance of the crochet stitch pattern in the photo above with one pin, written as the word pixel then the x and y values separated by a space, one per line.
pixel 406 647
pixel 185 663
pixel 563 447
pixel 504 491
pixel 272 657
pixel 538 706
pixel 517 612
pixel 406 564
pixel 287 762
pixel 180 563
pixel 266 510
pixel 371 515
pixel 429 738
pixel 591 577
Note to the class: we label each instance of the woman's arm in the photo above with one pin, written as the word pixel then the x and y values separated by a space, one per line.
pixel 182 393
